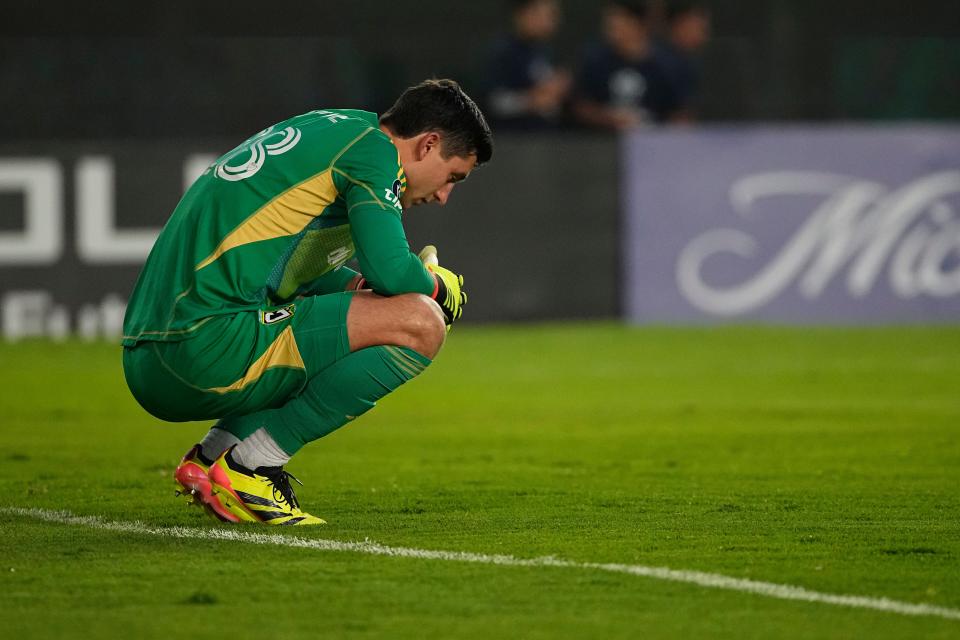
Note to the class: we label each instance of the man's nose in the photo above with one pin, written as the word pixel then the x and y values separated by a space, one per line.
pixel 443 194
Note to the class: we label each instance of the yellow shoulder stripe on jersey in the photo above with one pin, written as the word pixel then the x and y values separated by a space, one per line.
pixel 283 352
pixel 286 215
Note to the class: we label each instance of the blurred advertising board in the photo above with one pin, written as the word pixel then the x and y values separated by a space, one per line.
pixel 77 221
pixel 819 225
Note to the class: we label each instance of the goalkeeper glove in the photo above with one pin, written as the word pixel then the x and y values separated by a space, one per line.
pixel 448 291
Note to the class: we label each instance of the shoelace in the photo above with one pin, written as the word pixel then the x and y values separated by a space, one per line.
pixel 281 482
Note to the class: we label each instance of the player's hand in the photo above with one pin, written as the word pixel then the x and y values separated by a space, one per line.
pixel 449 292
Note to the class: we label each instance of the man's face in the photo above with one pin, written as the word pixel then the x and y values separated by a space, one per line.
pixel 431 177
pixel 623 30
pixel 692 30
pixel 538 20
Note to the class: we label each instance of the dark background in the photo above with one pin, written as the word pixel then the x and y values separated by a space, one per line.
pixel 156 70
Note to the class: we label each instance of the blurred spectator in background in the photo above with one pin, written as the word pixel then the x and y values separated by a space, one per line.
pixel 525 90
pixel 620 84
pixel 687 32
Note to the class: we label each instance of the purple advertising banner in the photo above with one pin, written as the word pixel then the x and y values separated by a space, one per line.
pixel 843 225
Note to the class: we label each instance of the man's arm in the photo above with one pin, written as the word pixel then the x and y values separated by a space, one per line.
pixel 368 176
pixel 387 263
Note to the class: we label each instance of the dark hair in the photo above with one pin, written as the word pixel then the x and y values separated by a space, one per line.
pixel 442 106
pixel 636 8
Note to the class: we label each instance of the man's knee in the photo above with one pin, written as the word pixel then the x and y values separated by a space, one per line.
pixel 411 320
pixel 424 324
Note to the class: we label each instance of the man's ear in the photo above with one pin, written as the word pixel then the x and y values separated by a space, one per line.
pixel 428 142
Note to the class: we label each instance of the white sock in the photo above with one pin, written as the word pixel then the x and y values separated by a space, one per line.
pixel 259 449
pixel 216 442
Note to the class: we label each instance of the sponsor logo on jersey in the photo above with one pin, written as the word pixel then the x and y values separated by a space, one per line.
pixel 338 256
pixel 397 188
pixel 276 315
pixel 392 197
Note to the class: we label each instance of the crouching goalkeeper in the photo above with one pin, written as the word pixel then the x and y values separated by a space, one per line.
pixel 244 312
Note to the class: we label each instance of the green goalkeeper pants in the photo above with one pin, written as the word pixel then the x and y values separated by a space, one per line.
pixel 289 370
pixel 241 363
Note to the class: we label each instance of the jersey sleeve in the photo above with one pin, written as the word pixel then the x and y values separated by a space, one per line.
pixel 370 179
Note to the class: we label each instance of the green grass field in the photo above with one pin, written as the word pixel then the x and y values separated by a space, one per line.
pixel 827 459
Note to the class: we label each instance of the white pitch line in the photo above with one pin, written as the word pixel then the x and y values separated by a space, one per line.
pixel 712 580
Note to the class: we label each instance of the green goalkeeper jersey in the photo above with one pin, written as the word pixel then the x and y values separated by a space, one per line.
pixel 277 218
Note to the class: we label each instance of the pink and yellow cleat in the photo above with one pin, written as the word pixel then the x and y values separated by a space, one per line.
pixel 256 495
pixel 192 479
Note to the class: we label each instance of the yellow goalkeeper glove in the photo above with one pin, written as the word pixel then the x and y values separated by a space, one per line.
pixel 448 292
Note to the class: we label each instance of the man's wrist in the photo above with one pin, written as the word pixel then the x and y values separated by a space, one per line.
pixel 356 283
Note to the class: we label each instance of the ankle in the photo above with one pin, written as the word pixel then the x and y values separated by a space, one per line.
pixel 259 449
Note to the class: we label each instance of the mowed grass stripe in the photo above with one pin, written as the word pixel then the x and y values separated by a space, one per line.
pixel 699 578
